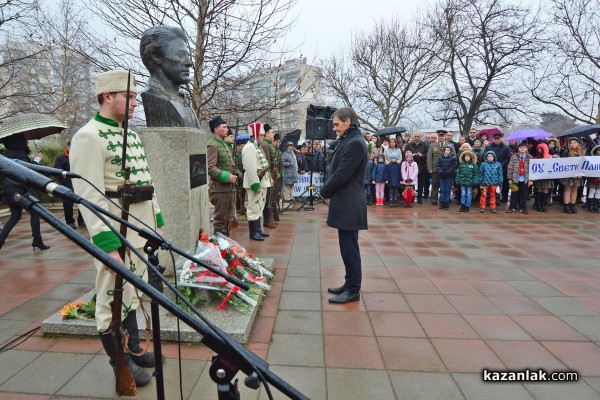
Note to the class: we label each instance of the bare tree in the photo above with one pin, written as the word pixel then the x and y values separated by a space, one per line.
pixel 385 72
pixel 228 39
pixel 486 44
pixel 570 80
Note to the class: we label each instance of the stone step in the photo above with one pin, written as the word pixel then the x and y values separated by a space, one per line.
pixel 233 322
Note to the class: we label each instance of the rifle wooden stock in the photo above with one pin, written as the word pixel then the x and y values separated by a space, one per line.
pixel 271 221
pixel 240 197
pixel 125 383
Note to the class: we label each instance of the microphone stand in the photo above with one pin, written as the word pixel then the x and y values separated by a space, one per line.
pixel 231 356
pixel 154 280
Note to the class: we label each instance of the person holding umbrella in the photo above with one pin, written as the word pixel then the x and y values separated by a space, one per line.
pixel 17 149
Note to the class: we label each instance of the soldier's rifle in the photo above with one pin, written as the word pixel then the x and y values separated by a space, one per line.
pixel 233 222
pixel 271 221
pixel 125 382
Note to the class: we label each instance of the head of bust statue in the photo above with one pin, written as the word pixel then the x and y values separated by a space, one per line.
pixel 164 51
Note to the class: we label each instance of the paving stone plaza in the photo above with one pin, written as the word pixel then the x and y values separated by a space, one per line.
pixel 445 295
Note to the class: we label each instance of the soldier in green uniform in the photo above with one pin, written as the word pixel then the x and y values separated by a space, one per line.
pixel 270 151
pixel 219 158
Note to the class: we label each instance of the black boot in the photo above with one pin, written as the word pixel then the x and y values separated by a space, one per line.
pixel 38 243
pixel 573 208
pixel 567 208
pixel 260 231
pixel 143 360
pixel 536 202
pixel 596 204
pixel 140 375
pixel 254 235
pixel 543 201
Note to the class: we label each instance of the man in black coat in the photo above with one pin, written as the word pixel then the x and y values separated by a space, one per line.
pixel 348 206
pixel 62 162
pixel 503 154
pixel 419 150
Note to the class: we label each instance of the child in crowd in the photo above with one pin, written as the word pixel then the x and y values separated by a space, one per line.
pixel 518 178
pixel 367 181
pixel 446 169
pixel 467 177
pixel 593 195
pixel 490 176
pixel 410 172
pixel 378 179
pixel 543 187
pixel 477 149
pixel 392 178
pixel 572 184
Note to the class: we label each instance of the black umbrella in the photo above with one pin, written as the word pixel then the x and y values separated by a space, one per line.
pixel 580 131
pixel 293 136
pixel 391 130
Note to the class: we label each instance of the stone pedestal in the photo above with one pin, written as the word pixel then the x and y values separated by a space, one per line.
pixel 172 153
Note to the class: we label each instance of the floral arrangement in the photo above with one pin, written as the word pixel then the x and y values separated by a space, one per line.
pixel 513 186
pixel 228 256
pixel 80 309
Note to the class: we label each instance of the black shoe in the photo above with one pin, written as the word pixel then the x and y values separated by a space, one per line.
pixel 81 224
pixel 434 202
pixel 524 211
pixel 420 201
pixel 72 226
pixel 260 231
pixel 567 209
pixel 336 290
pixel 136 353
pixel 441 206
pixel 140 376
pixel 38 244
pixel 462 208
pixel 573 209
pixel 345 297
pixel 467 208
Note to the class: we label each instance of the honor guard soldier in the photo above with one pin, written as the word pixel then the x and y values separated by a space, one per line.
pixel 96 154
pixel 270 151
pixel 221 169
pixel 257 179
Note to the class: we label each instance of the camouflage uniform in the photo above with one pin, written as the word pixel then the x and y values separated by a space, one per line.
pixel 219 158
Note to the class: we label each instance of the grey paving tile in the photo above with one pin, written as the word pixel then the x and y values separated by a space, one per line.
pixel 48 377
pixel 343 384
pixel 371 261
pixel 424 386
pixel 398 261
pixel 88 277
pixel 68 292
pixel 296 350
pixel 206 388
pixel 474 388
pixel 512 274
pixel 587 325
pixel 563 306
pixel 34 310
pixel 562 390
pixel 534 288
pixel 424 262
pixel 306 271
pixel 594 382
pixel 331 260
pixel 300 284
pixel 290 321
pixel 310 381
pixel 13 361
pixel 304 259
pixel 300 301
pixel 10 328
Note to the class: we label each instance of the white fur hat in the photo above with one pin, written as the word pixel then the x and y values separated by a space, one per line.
pixel 114 81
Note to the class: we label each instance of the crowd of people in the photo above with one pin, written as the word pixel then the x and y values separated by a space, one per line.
pixel 475 168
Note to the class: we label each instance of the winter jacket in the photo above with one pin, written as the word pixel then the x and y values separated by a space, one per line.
pixel 435 151
pixel 490 173
pixel 378 173
pixel 468 172
pixel 556 149
pixel 478 151
pixel 421 148
pixel 410 172
pixel 513 167
pixel 392 174
pixel 62 162
pixel 344 188
pixel 388 154
pixel 446 165
pixel 290 168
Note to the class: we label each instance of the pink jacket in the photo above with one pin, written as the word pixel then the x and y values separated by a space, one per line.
pixel 409 172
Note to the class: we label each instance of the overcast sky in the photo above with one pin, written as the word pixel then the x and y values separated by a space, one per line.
pixel 323 26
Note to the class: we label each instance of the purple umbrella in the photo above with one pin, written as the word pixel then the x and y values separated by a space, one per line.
pixel 528 133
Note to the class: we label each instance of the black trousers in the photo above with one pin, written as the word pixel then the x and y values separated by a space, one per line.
pixel 350 251
pixel 68 209
pixel 505 186
pixel 16 211
pixel 521 196
pixel 423 184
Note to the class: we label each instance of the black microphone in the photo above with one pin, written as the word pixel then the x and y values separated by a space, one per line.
pixel 48 170
pixel 22 176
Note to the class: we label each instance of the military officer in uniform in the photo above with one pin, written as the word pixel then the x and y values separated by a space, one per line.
pixel 96 151
pixel 268 147
pixel 219 158
pixel 257 179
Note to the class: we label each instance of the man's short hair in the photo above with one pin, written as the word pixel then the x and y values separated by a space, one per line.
pixel 154 41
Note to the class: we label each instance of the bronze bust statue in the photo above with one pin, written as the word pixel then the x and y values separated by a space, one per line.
pixel 165 54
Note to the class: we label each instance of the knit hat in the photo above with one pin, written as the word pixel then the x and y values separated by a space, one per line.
pixel 114 81
pixel 215 122
pixel 575 139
